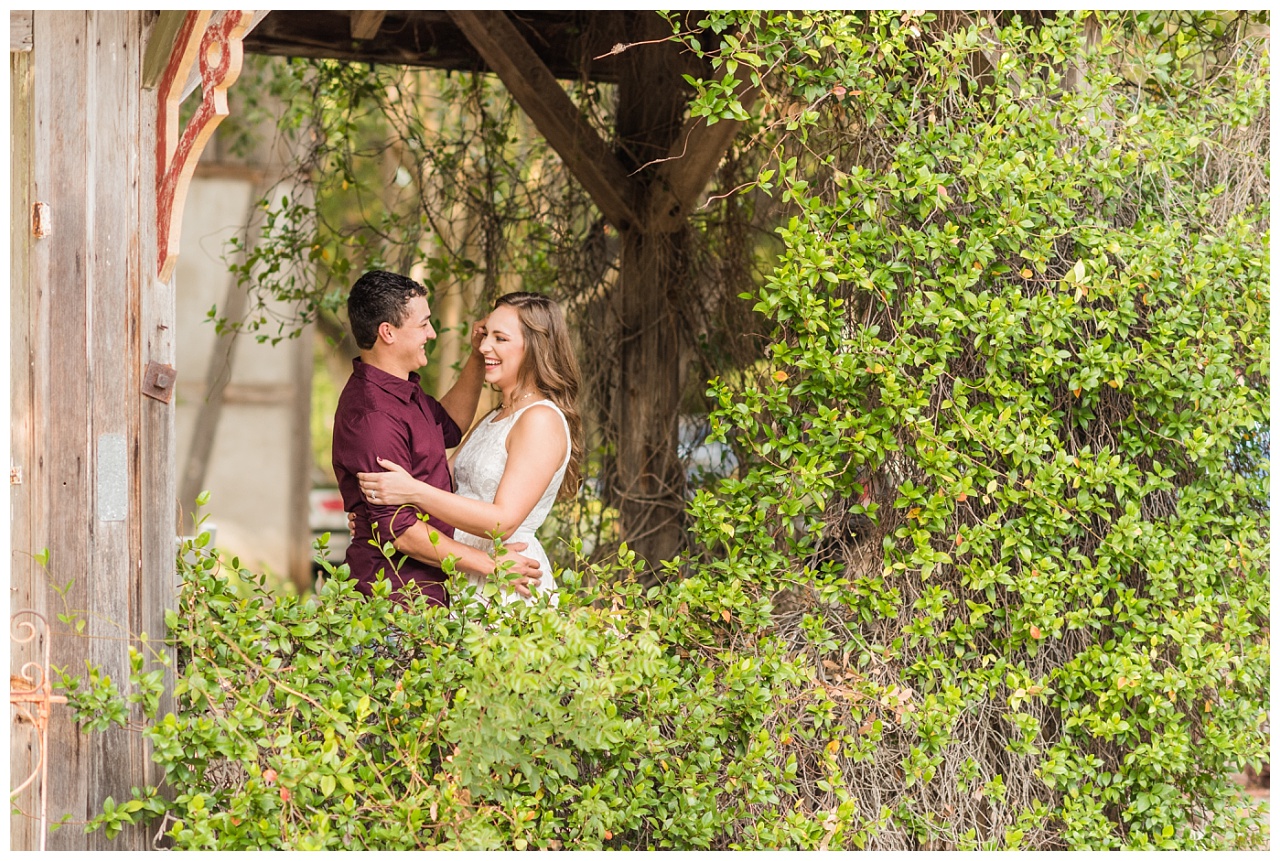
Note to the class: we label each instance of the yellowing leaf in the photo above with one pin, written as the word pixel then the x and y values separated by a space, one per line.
pixel 727 529
pixel 1036 633
pixel 780 376
pixel 913 513
pixel 1026 272
pixel 833 746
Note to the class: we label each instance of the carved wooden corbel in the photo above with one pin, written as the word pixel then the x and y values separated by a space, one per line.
pixel 220 50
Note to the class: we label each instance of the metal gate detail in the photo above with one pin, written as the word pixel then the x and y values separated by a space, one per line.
pixel 32 697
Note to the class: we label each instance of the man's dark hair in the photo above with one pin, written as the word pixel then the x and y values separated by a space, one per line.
pixel 379 297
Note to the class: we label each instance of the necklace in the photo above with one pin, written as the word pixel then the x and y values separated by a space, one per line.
pixel 514 401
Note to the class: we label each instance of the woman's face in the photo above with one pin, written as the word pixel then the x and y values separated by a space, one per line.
pixel 503 348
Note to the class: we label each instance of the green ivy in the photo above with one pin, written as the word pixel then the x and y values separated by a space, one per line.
pixel 1020 355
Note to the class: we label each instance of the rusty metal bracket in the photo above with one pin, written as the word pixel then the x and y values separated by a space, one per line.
pixel 31 694
pixel 158 380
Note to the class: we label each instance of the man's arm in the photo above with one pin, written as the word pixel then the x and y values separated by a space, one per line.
pixel 461 401
pixel 416 542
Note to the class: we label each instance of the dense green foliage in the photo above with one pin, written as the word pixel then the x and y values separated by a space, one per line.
pixel 993 572
pixel 1021 351
pixel 346 722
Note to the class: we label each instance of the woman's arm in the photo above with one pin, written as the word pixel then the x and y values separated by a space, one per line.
pixel 460 402
pixel 535 449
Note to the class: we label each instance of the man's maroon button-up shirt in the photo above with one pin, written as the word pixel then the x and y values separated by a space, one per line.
pixel 381 415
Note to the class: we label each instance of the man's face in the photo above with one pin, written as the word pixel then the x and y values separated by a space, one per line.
pixel 409 339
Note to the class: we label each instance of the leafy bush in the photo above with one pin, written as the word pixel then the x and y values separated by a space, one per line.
pixel 353 722
pixel 1021 347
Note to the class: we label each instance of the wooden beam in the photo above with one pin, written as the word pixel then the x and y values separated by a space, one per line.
pixel 164 35
pixel 365 24
pixel 538 93
pixel 690 167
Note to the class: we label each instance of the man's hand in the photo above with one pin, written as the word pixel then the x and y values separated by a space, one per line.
pixel 478 331
pixel 525 570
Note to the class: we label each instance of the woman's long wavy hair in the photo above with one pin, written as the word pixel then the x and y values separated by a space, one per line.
pixel 552 367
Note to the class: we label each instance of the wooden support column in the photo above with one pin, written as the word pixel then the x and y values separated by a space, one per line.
pixel 96 478
pixel 650 482
pixel 84 477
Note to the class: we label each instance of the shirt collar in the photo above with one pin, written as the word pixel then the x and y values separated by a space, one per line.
pixel 390 383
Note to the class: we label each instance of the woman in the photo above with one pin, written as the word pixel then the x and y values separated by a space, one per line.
pixel 522 456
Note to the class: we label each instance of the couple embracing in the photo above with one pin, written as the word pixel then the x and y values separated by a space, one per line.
pixel 390 440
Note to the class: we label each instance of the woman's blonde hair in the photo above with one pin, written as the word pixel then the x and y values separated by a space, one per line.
pixel 552 367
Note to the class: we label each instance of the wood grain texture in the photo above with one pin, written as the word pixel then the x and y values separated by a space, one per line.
pixel 80 307
pixel 111 122
pixel 154 458
pixel 25 586
pixel 19 31
pixel 654 268
pixel 365 23
pixel 60 172
pixel 690 166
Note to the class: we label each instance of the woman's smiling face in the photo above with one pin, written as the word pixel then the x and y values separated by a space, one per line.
pixel 503 348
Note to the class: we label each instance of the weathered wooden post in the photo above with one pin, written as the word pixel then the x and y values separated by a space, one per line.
pixel 92 451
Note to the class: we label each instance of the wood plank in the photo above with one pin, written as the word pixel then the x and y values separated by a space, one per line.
pixel 19 31
pixel 59 174
pixel 569 42
pixel 26 586
pixel 365 24
pixel 153 461
pixel 112 120
pixel 538 93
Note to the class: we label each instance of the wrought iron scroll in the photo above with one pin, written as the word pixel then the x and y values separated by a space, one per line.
pixel 31 694
pixel 220 53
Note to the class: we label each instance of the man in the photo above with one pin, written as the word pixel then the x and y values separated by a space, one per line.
pixel 383 412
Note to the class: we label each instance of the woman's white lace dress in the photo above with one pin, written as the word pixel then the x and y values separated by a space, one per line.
pixel 477 470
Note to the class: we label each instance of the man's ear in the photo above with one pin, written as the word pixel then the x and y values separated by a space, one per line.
pixel 386 333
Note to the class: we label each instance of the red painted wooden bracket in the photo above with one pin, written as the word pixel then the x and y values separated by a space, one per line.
pixel 219 48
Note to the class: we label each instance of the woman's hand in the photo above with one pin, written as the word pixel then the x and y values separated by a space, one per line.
pixel 394 487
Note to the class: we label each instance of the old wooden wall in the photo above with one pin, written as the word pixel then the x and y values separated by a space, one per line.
pixel 96 456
